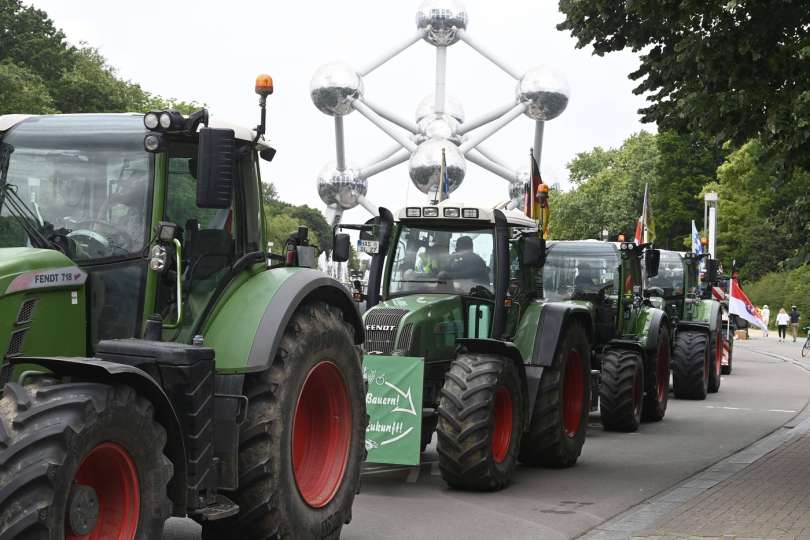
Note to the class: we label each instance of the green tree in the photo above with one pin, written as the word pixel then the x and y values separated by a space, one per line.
pixel 29 39
pixel 734 69
pixel 23 90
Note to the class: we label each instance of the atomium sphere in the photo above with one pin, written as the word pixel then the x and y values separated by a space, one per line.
pixel 438 126
pixel 334 87
pixel 545 91
pixel 340 188
pixel 426 163
pixel 441 18
pixel 452 106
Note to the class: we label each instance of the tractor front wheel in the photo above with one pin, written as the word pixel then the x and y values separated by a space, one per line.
pixel 656 393
pixel 81 461
pixel 621 390
pixel 691 365
pixel 557 430
pixel 481 412
pixel 302 443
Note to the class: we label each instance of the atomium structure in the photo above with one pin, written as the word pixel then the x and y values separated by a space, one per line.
pixel 440 123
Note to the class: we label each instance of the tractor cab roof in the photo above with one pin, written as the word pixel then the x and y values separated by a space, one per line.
pixel 451 212
pixel 8 121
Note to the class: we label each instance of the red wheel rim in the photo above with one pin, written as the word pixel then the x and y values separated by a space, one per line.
pixel 502 426
pixel 637 392
pixel 321 435
pixel 662 371
pixel 573 388
pixel 110 471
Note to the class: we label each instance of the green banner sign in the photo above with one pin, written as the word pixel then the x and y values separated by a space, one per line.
pixel 394 404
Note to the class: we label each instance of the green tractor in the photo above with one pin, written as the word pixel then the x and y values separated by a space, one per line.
pixel 506 375
pixel 631 355
pixel 700 338
pixel 157 361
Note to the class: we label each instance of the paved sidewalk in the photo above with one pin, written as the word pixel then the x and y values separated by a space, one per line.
pixel 768 499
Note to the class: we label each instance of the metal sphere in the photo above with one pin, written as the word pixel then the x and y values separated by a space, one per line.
pixel 438 126
pixel 452 106
pixel 334 87
pixel 545 91
pixel 340 189
pixel 426 162
pixel 441 19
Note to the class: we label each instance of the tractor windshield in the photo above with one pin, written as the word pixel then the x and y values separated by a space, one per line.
pixel 442 260
pixel 580 269
pixel 84 177
pixel 670 274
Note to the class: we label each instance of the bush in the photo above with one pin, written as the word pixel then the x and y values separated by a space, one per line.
pixel 782 290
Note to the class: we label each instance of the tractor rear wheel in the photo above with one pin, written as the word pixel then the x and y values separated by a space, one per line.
pixel 716 352
pixel 656 391
pixel 81 461
pixel 302 444
pixel 690 365
pixel 621 390
pixel 557 430
pixel 481 412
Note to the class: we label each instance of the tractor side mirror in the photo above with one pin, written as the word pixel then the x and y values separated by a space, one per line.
pixel 712 266
pixel 652 259
pixel 216 168
pixel 341 248
pixel 534 251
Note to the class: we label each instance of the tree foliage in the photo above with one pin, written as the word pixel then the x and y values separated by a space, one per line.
pixel 782 290
pixel 734 69
pixel 41 73
pixel 284 218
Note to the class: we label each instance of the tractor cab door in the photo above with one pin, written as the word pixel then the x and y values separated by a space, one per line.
pixel 630 291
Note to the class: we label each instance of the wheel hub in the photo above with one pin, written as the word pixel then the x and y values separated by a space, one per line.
pixel 83 509
pixel 502 424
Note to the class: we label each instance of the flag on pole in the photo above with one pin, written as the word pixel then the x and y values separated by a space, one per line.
pixel 537 201
pixel 697 247
pixel 740 305
pixel 443 187
pixel 645 226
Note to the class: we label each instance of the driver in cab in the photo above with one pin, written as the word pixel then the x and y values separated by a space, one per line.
pixel 466 263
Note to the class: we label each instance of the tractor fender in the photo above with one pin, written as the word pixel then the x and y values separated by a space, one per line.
pixel 553 319
pixel 714 311
pixel 305 286
pixel 502 348
pixel 658 318
pixel 95 370
pixel 698 326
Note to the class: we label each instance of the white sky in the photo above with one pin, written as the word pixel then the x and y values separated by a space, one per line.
pixel 211 51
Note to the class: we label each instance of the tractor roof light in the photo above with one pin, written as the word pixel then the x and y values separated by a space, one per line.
pixel 154 143
pixel 264 85
pixel 452 213
pixel 151 120
pixel 470 213
pixel 430 211
pixel 412 211
pixel 172 121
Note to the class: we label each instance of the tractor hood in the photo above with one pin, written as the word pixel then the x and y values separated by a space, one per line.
pixel 41 304
pixel 425 325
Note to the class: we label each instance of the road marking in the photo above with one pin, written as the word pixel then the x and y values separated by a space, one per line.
pixel 747 409
pixel 782 410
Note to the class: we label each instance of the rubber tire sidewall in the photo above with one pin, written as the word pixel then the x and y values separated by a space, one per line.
pixel 655 410
pixel 716 368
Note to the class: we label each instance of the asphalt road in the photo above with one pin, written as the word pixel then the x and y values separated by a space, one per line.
pixel 615 472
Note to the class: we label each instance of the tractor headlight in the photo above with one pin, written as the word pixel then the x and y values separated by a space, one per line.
pixel 150 120
pixel 158 258
pixel 165 121
pixel 430 211
pixel 153 143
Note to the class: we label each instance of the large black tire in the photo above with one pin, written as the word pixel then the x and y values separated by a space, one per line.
pixel 55 438
pixel 560 420
pixel 716 357
pixel 656 385
pixel 690 365
pixel 621 395
pixel 317 351
pixel 727 369
pixel 481 416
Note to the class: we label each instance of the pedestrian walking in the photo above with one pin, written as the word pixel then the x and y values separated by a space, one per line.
pixel 782 320
pixel 794 322
pixel 766 317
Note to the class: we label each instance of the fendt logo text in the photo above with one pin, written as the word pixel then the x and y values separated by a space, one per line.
pixel 380 327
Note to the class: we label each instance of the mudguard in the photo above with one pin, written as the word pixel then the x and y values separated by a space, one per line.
pixel 553 318
pixel 507 349
pixel 93 369
pixel 698 326
pixel 657 319
pixel 304 286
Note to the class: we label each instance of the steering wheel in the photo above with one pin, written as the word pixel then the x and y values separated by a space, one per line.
pixel 101 245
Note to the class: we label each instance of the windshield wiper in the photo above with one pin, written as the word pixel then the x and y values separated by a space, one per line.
pixel 439 281
pixel 39 232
